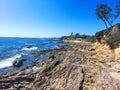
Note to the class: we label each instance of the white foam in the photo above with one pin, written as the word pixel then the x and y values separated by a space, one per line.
pixel 9 61
pixel 29 49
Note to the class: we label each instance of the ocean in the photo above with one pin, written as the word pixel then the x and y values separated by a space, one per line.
pixel 12 49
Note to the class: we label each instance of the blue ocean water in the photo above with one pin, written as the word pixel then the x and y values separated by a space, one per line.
pixel 12 49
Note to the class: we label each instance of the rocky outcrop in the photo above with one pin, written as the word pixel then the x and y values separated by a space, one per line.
pixel 100 72
pixel 77 66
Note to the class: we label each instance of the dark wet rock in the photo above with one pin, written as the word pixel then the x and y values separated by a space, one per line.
pixel 92 49
pixel 29 46
pixel 58 62
pixel 35 54
pixel 18 63
pixel 72 67
pixel 34 62
pixel 52 57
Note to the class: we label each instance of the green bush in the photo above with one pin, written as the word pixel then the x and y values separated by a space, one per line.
pixel 99 35
pixel 113 39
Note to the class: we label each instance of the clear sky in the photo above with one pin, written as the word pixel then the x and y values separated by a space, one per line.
pixel 50 18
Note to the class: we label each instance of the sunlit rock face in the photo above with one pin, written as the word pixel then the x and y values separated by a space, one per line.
pixel 115 28
pixel 77 66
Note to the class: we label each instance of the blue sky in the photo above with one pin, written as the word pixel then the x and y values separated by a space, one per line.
pixel 49 18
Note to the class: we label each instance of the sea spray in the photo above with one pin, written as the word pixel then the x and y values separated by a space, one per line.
pixel 9 61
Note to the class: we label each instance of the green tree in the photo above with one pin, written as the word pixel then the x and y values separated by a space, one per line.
pixel 77 35
pixel 71 34
pixel 117 8
pixel 104 12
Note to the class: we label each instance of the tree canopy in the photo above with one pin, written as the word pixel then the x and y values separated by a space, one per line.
pixel 104 12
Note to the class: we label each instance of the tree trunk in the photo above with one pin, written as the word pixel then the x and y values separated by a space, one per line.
pixel 109 23
pixel 105 23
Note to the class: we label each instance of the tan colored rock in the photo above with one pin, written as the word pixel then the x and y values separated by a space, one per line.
pixel 76 67
pixel 115 28
pixel 117 53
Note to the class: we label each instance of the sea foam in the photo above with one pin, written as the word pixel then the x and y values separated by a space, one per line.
pixel 29 49
pixel 9 61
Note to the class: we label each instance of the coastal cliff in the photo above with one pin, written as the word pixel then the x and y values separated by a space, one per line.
pixel 75 66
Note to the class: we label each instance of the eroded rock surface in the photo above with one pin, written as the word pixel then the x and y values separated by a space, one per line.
pixel 77 66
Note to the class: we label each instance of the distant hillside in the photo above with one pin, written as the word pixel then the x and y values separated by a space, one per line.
pixel 79 37
pixel 110 36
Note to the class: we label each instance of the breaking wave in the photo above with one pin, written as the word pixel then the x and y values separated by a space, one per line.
pixel 9 61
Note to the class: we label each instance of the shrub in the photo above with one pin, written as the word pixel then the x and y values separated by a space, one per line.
pixel 113 39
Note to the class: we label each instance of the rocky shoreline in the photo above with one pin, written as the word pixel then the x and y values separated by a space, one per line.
pixel 75 66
